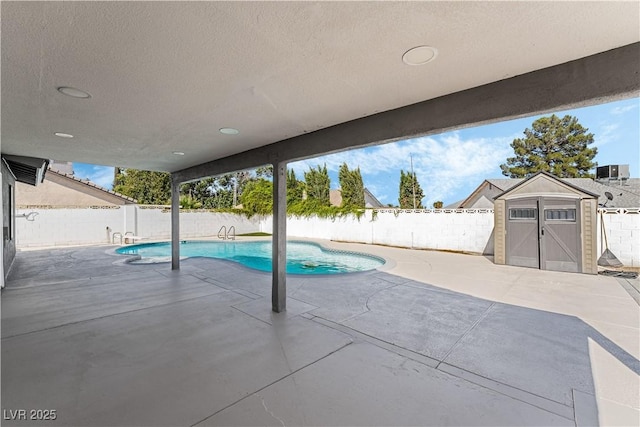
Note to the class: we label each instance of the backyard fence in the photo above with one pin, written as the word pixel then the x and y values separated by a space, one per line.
pixel 97 225
pixel 464 230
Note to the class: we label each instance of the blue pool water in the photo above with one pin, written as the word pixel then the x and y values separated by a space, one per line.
pixel 302 257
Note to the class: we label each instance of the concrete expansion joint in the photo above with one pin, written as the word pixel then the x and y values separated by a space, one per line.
pixel 468 331
pixel 512 392
pixel 257 392
pixel 250 315
pixel 540 402
pixel 358 336
pixel 109 315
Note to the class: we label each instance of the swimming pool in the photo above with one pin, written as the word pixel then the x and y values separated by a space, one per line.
pixel 302 257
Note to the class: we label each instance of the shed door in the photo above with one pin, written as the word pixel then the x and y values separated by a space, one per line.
pixel 560 235
pixel 522 248
pixel 544 233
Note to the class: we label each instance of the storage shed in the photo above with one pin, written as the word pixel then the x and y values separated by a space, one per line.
pixel 546 223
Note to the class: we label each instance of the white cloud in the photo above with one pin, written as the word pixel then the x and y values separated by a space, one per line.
pixel 443 164
pixel 100 175
pixel 608 133
pixel 622 110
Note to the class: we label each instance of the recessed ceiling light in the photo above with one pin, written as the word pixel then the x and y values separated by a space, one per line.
pixel 73 92
pixel 419 55
pixel 178 153
pixel 229 131
pixel 63 135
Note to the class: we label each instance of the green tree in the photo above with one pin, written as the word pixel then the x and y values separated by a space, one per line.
pixel 257 197
pixel 410 194
pixel 188 202
pixel 147 187
pixel 264 171
pixel 221 193
pixel 556 145
pixel 225 191
pixel 352 187
pixel 437 205
pixel 295 188
pixel 317 183
pixel 199 191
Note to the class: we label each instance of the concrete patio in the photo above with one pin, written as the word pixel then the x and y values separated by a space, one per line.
pixel 432 339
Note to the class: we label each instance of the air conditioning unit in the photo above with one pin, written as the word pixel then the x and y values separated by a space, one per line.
pixel 612 172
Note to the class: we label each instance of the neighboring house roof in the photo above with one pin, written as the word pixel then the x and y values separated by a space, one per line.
pixel 626 194
pixel 454 205
pixel 622 196
pixel 61 189
pixel 629 185
pixel 489 190
pixel 504 183
pixel 62 167
pixel 483 203
pixel 370 201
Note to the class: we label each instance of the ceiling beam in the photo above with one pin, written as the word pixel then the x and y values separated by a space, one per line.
pixel 599 78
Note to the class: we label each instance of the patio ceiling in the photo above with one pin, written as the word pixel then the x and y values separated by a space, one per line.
pixel 164 77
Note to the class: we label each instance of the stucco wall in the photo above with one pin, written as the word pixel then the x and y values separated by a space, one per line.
pixel 50 193
pixel 8 220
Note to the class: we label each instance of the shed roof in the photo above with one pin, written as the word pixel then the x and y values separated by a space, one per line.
pixel 548 177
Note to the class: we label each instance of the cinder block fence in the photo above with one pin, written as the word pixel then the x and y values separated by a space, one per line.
pixel 465 230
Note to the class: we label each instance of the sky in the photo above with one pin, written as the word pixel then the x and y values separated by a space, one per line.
pixel 449 166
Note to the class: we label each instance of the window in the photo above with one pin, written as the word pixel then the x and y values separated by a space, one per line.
pixel 522 213
pixel 560 215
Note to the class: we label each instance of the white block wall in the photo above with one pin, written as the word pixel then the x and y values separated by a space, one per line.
pixel 623 236
pixel 61 227
pixel 155 223
pixel 468 231
pixel 424 229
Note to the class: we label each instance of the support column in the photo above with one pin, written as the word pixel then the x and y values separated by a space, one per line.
pixel 279 239
pixel 2 243
pixel 175 223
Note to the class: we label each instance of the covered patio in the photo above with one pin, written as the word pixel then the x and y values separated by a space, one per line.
pixel 107 343
pixel 204 88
